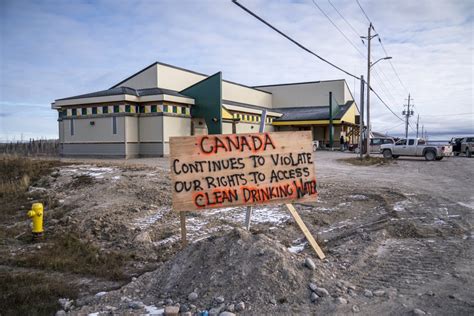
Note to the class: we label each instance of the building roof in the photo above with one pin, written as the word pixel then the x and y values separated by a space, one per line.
pixel 187 70
pixel 129 91
pixel 296 83
pixel 311 113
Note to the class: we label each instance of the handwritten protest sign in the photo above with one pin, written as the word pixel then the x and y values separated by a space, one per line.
pixel 212 171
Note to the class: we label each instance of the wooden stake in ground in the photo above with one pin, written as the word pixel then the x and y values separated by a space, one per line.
pixel 248 217
pixel 306 232
pixel 182 219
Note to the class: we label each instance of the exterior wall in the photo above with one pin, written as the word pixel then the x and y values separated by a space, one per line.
pixel 151 129
pixel 146 79
pixel 308 94
pixel 131 129
pixel 176 79
pixel 350 115
pixel 100 132
pixel 151 135
pixel 237 93
pixel 226 128
pixel 94 149
pixel 174 126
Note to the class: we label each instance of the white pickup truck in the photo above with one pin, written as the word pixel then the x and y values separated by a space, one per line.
pixel 416 147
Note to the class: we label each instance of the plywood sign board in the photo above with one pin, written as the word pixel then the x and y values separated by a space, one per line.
pixel 214 171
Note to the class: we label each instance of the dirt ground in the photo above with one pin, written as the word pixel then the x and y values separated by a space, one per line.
pixel 398 238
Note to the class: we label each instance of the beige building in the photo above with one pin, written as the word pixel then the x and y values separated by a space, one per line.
pixel 137 116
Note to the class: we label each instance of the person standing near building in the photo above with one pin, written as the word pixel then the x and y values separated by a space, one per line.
pixel 342 142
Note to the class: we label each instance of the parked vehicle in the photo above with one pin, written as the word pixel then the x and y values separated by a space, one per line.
pixel 467 146
pixel 376 142
pixel 416 147
pixel 456 143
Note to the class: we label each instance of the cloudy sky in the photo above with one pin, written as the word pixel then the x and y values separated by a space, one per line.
pixel 53 49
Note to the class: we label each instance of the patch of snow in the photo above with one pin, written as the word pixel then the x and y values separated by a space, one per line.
pixel 93 314
pixel 147 221
pixel 400 206
pixel 324 209
pixel 153 310
pixel 100 294
pixel 344 204
pixel 358 197
pixel 468 205
pixel 438 221
pixel 89 170
pixel 297 248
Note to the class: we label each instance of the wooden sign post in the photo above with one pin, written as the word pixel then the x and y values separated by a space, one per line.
pixel 216 171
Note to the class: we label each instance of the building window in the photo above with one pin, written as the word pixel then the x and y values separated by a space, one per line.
pixel 142 109
pixel 127 108
pixel 116 108
pixel 165 108
pixel 183 110
pixel 105 109
pixel 175 109
pixel 94 110
pixel 84 111
pixel 72 127
pixel 114 125
pixel 74 112
pixel 153 108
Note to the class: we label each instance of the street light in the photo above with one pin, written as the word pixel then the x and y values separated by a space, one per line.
pixel 383 58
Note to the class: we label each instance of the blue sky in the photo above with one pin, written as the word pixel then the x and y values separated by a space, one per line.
pixel 54 49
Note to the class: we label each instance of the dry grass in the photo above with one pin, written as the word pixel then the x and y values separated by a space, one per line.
pixel 67 253
pixel 31 293
pixel 16 175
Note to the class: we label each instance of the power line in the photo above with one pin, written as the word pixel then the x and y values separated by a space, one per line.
pixel 384 89
pixel 340 31
pixel 292 40
pixel 347 22
pixel 399 124
pixel 311 52
pixel 383 47
pixel 362 9
pixel 391 64
pixel 386 105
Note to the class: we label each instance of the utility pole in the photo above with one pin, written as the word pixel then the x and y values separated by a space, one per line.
pixel 407 114
pixel 367 136
pixel 417 124
pixel 423 131
pixel 361 117
pixel 369 65
pixel 331 127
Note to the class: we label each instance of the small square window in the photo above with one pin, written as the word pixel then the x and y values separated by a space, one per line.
pixel 183 110
pixel 175 108
pixel 94 110
pixel 74 112
pixel 127 108
pixel 105 109
pixel 153 109
pixel 116 108
pixel 84 111
pixel 165 108
pixel 142 109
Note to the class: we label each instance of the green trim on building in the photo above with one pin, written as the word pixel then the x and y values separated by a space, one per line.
pixel 207 96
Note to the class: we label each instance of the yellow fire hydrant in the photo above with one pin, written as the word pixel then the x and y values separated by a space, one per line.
pixel 36 215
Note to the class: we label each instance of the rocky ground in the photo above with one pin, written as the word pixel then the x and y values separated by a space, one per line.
pixel 398 239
